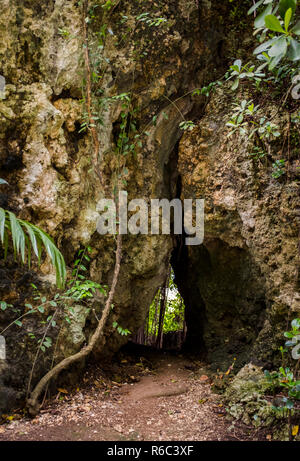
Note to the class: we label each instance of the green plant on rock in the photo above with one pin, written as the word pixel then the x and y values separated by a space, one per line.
pixel 151 21
pixel 278 168
pixel 286 378
pixel 122 331
pixel 279 24
pixel 207 90
pixel 258 153
pixel 239 72
pixel 80 289
pixel 26 239
pixel 267 129
pixel 238 122
pixel 187 125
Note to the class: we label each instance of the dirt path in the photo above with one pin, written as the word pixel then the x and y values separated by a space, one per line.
pixel 169 402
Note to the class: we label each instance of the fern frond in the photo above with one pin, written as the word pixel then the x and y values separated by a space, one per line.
pixel 27 236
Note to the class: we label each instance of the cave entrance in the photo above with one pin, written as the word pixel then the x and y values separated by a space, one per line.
pixel 165 324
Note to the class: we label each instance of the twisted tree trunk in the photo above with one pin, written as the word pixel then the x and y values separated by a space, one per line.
pixel 32 403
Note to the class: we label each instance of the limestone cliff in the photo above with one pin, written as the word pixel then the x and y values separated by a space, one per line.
pixel 240 285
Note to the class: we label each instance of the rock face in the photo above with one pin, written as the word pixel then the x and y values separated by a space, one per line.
pixel 240 284
pixel 243 282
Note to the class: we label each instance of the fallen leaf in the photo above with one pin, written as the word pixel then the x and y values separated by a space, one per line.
pixel 269 437
pixel 2 430
pixel 63 391
pixel 295 430
pixel 204 378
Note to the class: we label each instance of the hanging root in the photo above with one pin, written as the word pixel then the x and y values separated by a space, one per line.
pixel 33 403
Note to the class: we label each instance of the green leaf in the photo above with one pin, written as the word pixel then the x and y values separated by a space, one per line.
pixel 287 18
pixel 284 5
pixel 295 323
pixel 274 61
pixel 237 64
pixel 279 48
pixel 17 235
pixel 17 322
pixel 260 20
pixel 294 50
pixel 254 7
pixel 3 305
pixel 273 23
pixel 296 28
pixel 41 309
pixel 235 84
pixel 2 224
pixel 34 238
pixel 265 46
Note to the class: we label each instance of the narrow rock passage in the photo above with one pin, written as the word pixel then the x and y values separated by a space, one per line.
pixel 173 401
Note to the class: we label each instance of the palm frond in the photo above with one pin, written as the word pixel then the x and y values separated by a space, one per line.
pixel 27 236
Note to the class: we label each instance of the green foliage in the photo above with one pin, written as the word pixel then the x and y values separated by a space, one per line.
pixel 187 125
pixel 27 237
pixel 245 121
pixel 239 72
pixel 122 331
pixel 45 343
pixel 258 153
pixel 266 129
pixel 151 21
pixel 285 377
pixel 238 122
pixel 174 315
pixel 64 33
pixel 108 5
pixel 207 90
pixel 79 289
pixel 278 168
pixel 277 23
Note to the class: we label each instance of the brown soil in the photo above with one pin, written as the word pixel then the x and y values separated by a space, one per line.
pixel 161 397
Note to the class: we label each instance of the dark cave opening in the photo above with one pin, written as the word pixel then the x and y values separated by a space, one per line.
pixel 224 296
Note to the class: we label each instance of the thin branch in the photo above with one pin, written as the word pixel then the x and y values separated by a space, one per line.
pixel 92 127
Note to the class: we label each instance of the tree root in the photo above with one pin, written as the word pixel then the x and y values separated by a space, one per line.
pixel 32 402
